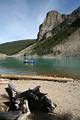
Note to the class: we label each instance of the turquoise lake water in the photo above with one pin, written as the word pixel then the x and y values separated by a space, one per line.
pixel 69 67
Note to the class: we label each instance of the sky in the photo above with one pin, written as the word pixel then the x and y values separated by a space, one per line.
pixel 20 19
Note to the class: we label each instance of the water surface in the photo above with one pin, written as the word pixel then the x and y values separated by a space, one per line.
pixel 62 67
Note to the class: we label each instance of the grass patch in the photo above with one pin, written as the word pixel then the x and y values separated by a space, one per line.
pixel 11 48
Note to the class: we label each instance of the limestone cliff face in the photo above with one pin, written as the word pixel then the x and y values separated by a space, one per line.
pixel 71 46
pixel 52 19
pixel 53 22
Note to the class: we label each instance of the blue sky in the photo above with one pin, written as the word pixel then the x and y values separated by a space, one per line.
pixel 20 19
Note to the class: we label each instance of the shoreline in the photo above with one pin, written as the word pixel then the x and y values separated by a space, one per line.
pixel 65 94
pixel 36 77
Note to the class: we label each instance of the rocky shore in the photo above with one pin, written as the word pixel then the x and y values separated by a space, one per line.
pixel 65 94
pixel 3 56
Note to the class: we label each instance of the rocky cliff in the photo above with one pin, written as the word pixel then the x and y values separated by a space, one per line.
pixel 71 46
pixel 56 30
pixel 59 35
pixel 55 22
pixel 53 19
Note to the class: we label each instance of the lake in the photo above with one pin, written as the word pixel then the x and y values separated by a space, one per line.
pixel 69 67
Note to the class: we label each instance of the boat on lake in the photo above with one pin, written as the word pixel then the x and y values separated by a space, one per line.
pixel 28 59
pixel 32 61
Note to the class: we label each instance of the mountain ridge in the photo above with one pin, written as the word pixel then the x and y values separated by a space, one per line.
pixel 53 19
pixel 58 35
pixel 14 47
pixel 57 30
pixel 57 20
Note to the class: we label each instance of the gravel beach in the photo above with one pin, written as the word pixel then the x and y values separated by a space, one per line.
pixel 65 95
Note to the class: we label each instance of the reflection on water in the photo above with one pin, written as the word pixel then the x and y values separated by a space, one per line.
pixel 63 67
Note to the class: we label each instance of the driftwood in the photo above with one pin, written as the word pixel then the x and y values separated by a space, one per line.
pixel 36 99
pixel 41 78
pixel 9 115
